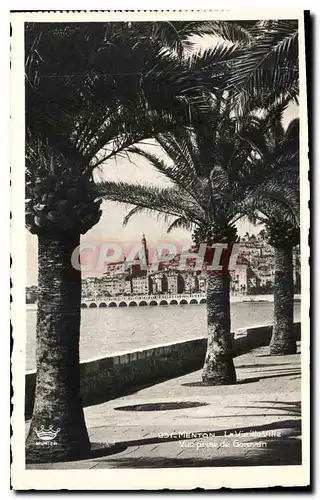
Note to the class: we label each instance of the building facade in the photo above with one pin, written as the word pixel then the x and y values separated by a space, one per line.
pixel 255 272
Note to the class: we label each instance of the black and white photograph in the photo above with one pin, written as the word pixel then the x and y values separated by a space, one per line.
pixel 160 222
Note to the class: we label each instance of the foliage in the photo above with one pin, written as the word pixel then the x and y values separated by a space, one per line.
pixel 275 202
pixel 213 167
pixel 98 84
pixel 60 192
pixel 267 70
pixel 92 90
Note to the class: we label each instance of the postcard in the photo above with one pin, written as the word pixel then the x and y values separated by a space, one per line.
pixel 160 276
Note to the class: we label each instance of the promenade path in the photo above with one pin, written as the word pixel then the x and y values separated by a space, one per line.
pixel 154 433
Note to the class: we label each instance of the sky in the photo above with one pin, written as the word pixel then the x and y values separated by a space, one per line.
pixel 110 227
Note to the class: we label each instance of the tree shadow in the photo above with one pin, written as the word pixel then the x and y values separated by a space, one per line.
pixel 264 365
pixel 279 453
pixel 199 383
pixel 272 370
pixel 247 380
pixel 114 393
pixel 292 408
pixel 105 449
pixel 166 406
pixel 286 450
pixel 288 403
pixel 271 355
pixel 284 424
pixel 97 450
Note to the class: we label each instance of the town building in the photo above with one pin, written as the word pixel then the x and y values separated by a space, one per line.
pixel 172 280
pixel 159 283
pixel 191 282
pixel 239 280
pixel 90 287
pixel 141 285
pixel 175 282
pixel 202 283
pixel 117 286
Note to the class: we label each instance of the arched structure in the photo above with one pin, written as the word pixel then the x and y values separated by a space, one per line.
pixel 163 299
pixel 163 303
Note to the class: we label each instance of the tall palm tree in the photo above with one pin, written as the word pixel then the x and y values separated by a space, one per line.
pixel 213 169
pixel 283 236
pixel 92 90
pixel 282 225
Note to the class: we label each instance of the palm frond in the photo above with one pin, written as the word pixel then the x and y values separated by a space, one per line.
pixel 273 205
pixel 180 223
pixel 134 211
pixel 229 31
pixel 213 59
pixel 270 67
pixel 170 201
pixel 182 170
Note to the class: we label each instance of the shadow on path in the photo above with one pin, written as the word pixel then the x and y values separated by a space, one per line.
pixel 263 365
pixel 284 424
pixel 285 450
pixel 292 409
pixel 248 380
pixel 279 450
pixel 171 405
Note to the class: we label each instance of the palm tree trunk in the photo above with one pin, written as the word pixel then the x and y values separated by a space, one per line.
pixel 218 366
pixel 282 341
pixel 57 393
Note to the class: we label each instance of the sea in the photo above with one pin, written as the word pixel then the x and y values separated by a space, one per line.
pixel 108 331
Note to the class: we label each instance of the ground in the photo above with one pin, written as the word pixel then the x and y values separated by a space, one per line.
pixel 180 423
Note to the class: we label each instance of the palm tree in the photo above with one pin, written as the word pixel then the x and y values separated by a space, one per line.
pixel 267 71
pixel 267 76
pixel 283 236
pixel 81 109
pixel 275 203
pixel 212 169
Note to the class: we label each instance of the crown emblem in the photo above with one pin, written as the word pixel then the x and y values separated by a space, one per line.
pixel 46 434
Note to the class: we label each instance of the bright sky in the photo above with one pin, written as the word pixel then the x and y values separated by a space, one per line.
pixel 110 227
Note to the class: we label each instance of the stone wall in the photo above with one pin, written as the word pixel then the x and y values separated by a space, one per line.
pixel 111 376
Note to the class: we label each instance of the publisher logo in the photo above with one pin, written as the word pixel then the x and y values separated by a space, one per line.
pixel 46 436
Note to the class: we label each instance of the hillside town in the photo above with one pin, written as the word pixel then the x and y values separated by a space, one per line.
pixel 255 275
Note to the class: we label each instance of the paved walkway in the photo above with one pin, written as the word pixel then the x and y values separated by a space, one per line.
pixel 180 423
